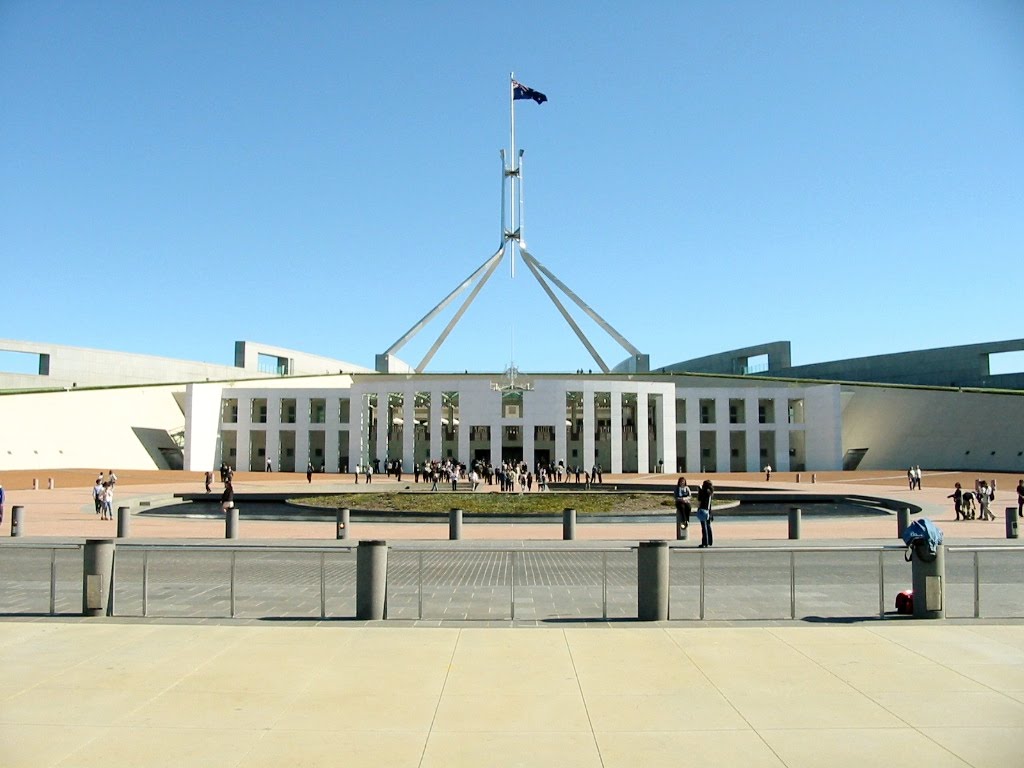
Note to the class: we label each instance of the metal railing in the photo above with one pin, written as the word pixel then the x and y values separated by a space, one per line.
pixel 966 570
pixel 147 549
pixel 704 554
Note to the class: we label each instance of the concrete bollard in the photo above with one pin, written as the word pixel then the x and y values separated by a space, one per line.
pixel 17 521
pixel 97 566
pixel 682 534
pixel 652 581
pixel 371 579
pixel 798 477
pixel 902 521
pixel 231 523
pixel 454 524
pixel 1011 523
pixel 929 581
pixel 35 484
pixel 794 522
pixel 49 483
pixel 124 518
pixel 568 524
pixel 343 517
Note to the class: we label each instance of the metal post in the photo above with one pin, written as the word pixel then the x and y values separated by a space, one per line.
pixel 792 583
pixel 371 579
pixel 604 585
pixel 323 586
pixel 17 521
pixel 1011 523
pixel 652 581
pixel 568 524
pixel 881 586
pixel 420 574
pixel 929 580
pixel 682 533
pixel 97 567
pixel 53 581
pixel 977 587
pixel 794 522
pixel 512 587
pixel 124 515
pixel 902 521
pixel 145 582
pixel 702 586
pixel 231 523
pixel 454 524
pixel 233 553
pixel 343 521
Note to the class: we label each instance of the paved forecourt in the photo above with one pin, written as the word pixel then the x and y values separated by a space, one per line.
pixel 101 693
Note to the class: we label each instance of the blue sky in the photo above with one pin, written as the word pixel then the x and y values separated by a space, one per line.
pixel 314 175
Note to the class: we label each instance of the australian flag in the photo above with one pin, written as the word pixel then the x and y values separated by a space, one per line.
pixel 520 91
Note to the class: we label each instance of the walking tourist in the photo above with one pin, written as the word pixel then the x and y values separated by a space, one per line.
pixel 227 498
pixel 958 498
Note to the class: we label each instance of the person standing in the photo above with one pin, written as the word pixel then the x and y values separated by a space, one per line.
pixel 270 467
pixel 683 506
pixel 209 481
pixel 984 497
pixel 97 494
pixel 704 497
pixel 1020 499
pixel 767 472
pixel 917 477
pixel 369 473
pixel 227 499
pixel 108 501
pixel 309 472
pixel 2 497
pixel 958 498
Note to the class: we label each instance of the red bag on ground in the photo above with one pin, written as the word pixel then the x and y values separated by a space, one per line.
pixel 905 601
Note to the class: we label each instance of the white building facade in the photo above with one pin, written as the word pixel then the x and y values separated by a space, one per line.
pixel 628 423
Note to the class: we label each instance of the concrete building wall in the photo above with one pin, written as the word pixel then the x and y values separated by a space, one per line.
pixel 126 428
pixel 938 429
pixel 75 367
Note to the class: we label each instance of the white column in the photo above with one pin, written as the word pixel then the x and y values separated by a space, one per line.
pixel 667 431
pixel 693 458
pixel 380 451
pixel 241 460
pixel 408 430
pixel 643 435
pixel 463 441
pixel 615 466
pixel 435 426
pixel 751 427
pixel 587 459
pixel 782 448
pixel 561 444
pixel 273 443
pixel 302 427
pixel 332 446
pixel 496 437
pixel 529 456
pixel 362 455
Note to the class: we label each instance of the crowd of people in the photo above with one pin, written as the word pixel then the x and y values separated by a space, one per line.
pixel 977 504
pixel 103 495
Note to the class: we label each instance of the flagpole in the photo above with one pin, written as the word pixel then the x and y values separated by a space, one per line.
pixel 514 167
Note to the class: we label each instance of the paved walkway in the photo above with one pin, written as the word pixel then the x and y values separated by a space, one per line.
pixel 99 693
pixel 67 511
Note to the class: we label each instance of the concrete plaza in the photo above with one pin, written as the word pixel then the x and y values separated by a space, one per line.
pixel 87 693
